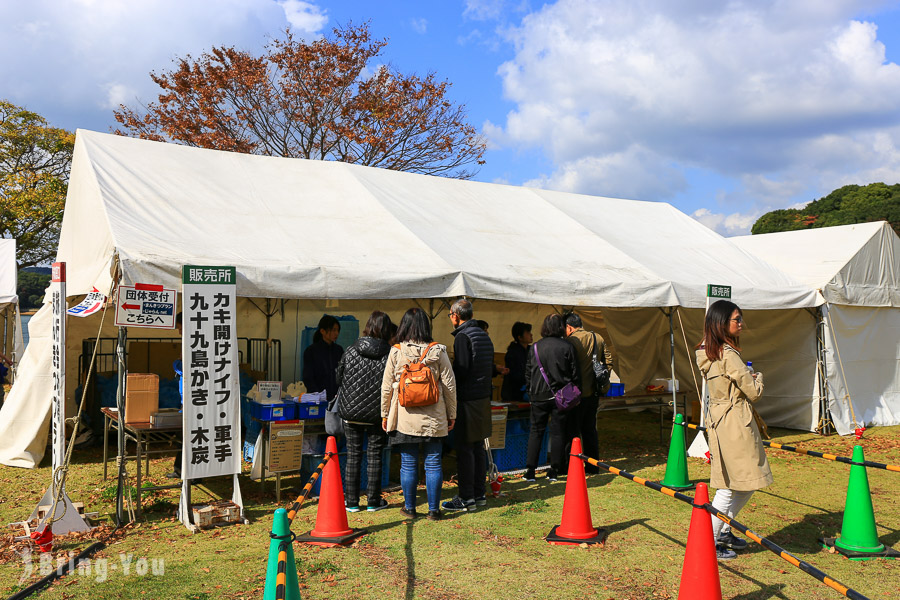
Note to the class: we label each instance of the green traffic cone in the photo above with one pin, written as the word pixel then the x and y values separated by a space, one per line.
pixel 858 530
pixel 676 466
pixel 281 527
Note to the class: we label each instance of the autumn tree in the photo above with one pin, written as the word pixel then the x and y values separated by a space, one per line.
pixel 34 172
pixel 323 99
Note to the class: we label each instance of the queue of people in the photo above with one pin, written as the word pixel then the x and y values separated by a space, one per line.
pixel 373 381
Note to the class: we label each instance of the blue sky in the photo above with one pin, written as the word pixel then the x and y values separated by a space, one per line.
pixel 724 109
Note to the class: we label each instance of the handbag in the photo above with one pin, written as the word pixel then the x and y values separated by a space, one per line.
pixel 601 373
pixel 566 398
pixel 334 424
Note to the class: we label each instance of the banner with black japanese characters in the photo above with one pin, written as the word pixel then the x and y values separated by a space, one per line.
pixel 58 336
pixel 212 406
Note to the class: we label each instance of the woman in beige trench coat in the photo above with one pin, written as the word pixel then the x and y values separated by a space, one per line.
pixel 739 465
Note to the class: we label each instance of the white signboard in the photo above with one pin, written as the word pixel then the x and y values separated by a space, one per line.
pixel 269 392
pixel 58 336
pixel 211 386
pixel 92 303
pixel 145 305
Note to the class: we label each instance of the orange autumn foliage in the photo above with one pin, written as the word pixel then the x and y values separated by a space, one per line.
pixel 314 100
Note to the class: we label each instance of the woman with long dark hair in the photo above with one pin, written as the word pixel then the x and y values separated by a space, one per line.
pixel 557 357
pixel 739 465
pixel 410 427
pixel 359 376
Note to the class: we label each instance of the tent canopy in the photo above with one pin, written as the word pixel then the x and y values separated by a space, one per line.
pixel 8 271
pixel 850 264
pixel 322 229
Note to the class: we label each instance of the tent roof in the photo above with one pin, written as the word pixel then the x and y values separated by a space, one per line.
pixel 850 264
pixel 8 271
pixel 323 229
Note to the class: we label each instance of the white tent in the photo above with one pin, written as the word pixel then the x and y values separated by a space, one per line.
pixel 856 268
pixel 328 235
pixel 11 341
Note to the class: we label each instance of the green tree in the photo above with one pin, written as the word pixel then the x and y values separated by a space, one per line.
pixel 34 171
pixel 327 100
pixel 30 288
pixel 844 206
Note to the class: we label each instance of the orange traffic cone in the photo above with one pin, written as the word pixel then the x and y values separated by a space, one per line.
pixel 576 527
pixel 700 573
pixel 331 519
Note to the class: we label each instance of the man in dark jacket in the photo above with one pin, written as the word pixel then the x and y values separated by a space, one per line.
pixel 513 389
pixel 473 366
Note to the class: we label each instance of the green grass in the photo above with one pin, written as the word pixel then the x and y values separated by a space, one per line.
pixel 497 552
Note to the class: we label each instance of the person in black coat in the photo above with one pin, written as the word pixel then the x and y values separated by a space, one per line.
pixel 513 389
pixel 558 359
pixel 359 376
pixel 320 359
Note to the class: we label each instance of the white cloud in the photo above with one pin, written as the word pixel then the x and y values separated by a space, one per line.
pixel 118 94
pixel 419 25
pixel 75 59
pixel 785 98
pixel 726 225
pixel 305 17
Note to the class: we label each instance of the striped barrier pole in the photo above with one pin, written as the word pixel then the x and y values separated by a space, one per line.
pixel 825 455
pixel 287 538
pixel 764 542
pixel 307 489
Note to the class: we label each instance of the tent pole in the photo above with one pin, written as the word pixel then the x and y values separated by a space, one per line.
pixel 672 349
pixel 269 314
pixel 120 407
pixel 826 425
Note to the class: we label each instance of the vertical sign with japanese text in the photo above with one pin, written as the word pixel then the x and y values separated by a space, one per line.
pixel 58 363
pixel 211 386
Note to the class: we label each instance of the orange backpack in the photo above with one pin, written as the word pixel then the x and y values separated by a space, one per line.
pixel 417 386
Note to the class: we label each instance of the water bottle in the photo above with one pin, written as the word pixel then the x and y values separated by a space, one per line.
pixel 750 366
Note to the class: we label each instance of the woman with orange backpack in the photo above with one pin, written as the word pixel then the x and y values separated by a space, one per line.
pixel 418 407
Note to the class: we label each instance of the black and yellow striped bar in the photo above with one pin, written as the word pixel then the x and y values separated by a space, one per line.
pixel 765 543
pixel 281 577
pixel 825 455
pixel 304 493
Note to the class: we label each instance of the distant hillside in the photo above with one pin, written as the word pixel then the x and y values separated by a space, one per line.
pixel 844 206
pixel 32 281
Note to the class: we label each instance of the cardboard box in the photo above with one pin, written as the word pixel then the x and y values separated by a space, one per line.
pixel 141 397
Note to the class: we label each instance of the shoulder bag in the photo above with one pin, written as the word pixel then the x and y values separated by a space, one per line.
pixel 568 397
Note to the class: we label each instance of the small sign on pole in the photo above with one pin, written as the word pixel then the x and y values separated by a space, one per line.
pixel 718 291
pixel 146 305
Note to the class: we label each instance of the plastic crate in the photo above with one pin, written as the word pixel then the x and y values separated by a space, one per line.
pixel 615 389
pixel 311 461
pixel 514 456
pixel 311 410
pixel 286 410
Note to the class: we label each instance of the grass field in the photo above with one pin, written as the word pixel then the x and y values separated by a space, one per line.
pixel 497 552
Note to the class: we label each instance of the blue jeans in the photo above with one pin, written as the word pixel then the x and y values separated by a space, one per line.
pixel 409 473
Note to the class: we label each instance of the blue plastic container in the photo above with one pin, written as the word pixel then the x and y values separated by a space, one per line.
pixel 514 456
pixel 311 410
pixel 286 410
pixel 616 389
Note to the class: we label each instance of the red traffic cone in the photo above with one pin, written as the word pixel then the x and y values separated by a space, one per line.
pixel 576 527
pixel 700 573
pixel 331 527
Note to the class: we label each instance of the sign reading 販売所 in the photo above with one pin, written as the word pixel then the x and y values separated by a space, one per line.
pixel 211 386
pixel 718 291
